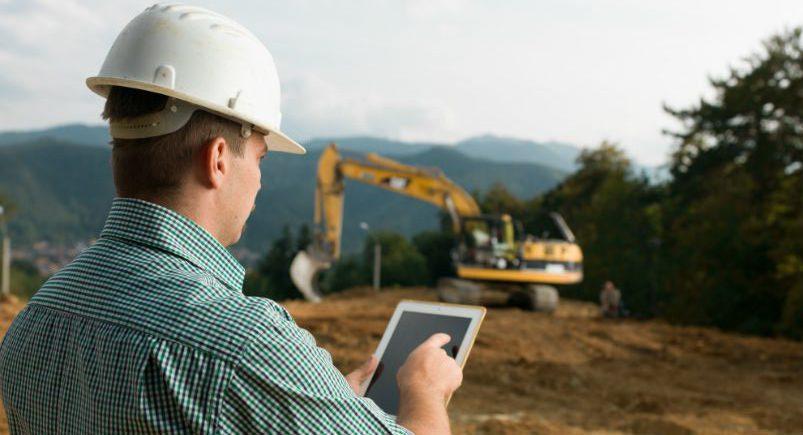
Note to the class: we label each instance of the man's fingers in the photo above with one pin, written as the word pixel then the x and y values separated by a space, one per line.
pixel 368 367
pixel 437 340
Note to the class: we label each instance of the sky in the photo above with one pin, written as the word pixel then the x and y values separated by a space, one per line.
pixel 426 70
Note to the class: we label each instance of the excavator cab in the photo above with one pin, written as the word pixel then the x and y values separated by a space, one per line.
pixel 497 261
pixel 489 241
pixel 499 242
pixel 554 251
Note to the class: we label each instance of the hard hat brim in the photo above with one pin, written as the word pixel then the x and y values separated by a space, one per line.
pixel 276 140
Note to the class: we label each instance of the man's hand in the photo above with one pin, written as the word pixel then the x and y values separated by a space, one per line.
pixel 430 370
pixel 426 380
pixel 357 377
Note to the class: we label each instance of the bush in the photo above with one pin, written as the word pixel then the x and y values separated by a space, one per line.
pixel 25 279
pixel 402 264
pixel 792 321
pixel 436 247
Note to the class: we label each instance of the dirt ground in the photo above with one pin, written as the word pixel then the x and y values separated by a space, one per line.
pixel 575 373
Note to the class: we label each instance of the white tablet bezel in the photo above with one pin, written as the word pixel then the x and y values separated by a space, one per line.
pixel 475 313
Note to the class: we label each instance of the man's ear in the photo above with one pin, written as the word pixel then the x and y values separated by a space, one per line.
pixel 214 163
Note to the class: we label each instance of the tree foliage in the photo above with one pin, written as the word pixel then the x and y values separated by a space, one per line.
pixel 614 216
pixel 25 279
pixel 402 264
pixel 436 248
pixel 271 278
pixel 735 255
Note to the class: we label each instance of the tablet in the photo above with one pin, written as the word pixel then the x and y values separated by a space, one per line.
pixel 412 323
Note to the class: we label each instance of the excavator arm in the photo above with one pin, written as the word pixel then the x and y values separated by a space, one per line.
pixel 425 184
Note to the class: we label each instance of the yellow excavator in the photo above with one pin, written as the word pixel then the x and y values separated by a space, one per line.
pixel 494 260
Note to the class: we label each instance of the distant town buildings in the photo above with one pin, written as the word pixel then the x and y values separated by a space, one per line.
pixel 50 258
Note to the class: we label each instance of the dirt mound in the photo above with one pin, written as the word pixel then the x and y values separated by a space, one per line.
pixel 574 373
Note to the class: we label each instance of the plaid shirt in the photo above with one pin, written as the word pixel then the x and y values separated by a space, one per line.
pixel 148 331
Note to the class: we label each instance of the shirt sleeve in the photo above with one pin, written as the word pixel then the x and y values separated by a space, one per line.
pixel 285 383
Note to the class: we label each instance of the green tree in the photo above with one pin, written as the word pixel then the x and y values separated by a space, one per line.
pixel 272 276
pixel 304 237
pixel 735 258
pixel 25 279
pixel 615 217
pixel 436 248
pixel 346 273
pixel 498 200
pixel 9 207
pixel 402 264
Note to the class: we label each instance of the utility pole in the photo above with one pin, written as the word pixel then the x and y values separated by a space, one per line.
pixel 5 258
pixel 377 257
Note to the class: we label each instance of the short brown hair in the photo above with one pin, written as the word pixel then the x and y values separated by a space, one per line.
pixel 155 166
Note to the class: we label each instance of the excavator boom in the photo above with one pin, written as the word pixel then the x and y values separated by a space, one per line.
pixel 426 184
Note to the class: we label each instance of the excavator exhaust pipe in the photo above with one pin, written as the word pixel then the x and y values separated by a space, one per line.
pixel 304 272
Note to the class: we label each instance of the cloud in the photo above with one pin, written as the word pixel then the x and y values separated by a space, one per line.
pixel 49 48
pixel 313 107
pixel 427 9
pixel 35 25
pixel 8 89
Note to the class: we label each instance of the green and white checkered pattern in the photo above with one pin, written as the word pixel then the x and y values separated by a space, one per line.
pixel 148 331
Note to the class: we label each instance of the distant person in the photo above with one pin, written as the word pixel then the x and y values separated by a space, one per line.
pixel 610 300
pixel 148 330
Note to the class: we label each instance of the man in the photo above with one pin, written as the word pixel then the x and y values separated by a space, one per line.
pixel 610 299
pixel 148 331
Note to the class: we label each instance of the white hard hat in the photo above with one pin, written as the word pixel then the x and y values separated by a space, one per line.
pixel 200 59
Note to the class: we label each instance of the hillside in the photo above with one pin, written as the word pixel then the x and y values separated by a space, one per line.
pixel 62 192
pixel 489 147
pixel 574 373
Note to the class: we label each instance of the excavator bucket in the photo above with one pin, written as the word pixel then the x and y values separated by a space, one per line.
pixel 304 272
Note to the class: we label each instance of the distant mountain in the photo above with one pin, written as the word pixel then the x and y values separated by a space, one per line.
pixel 495 148
pixel 499 149
pixel 80 134
pixel 62 192
pixel 505 149
pixel 369 144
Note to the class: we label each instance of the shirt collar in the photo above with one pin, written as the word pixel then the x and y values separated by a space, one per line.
pixel 159 227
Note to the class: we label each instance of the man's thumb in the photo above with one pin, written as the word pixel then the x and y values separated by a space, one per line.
pixel 368 367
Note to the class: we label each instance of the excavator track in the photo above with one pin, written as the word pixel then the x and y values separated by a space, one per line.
pixel 541 298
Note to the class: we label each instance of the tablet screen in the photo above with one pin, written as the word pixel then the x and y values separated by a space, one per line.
pixel 412 329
